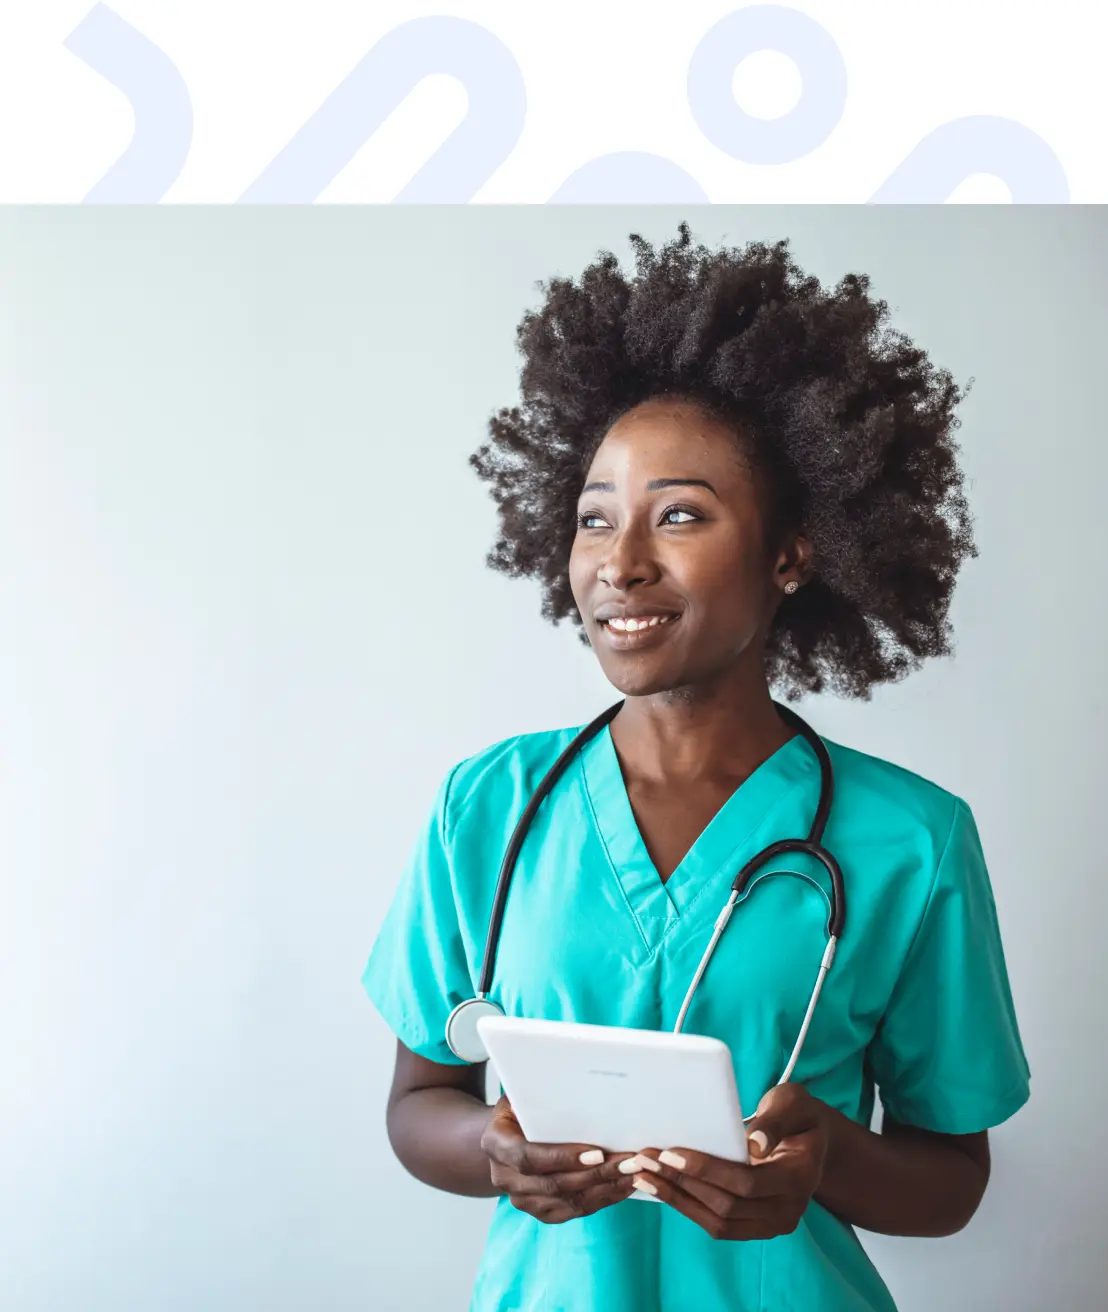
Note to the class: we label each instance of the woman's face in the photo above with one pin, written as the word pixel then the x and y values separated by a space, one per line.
pixel 669 567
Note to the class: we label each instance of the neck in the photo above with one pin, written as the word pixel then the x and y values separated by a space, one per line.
pixel 727 727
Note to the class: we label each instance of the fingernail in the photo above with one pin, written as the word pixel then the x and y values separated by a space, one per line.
pixel 630 1166
pixel 648 1163
pixel 758 1140
pixel 592 1158
pixel 641 1182
pixel 673 1159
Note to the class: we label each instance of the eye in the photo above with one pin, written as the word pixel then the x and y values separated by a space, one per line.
pixel 590 519
pixel 688 515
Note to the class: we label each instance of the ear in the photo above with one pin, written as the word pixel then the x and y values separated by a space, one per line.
pixel 794 560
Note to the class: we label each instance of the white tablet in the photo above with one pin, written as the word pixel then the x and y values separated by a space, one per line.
pixel 618 1089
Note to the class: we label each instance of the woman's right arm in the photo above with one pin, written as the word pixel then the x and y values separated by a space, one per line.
pixel 436 1117
pixel 444 1132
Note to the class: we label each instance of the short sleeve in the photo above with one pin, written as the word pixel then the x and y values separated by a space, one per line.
pixel 947 1055
pixel 417 970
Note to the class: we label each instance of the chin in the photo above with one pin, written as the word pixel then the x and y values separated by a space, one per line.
pixel 641 678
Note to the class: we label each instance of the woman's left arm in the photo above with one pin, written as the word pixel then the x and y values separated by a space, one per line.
pixel 903 1181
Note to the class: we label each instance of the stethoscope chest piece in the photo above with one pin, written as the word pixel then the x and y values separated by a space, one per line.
pixel 461 1028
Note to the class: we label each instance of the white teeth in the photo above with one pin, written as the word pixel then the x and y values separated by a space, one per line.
pixel 627 625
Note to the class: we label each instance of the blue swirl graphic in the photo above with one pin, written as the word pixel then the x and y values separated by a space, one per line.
pixel 387 74
pixel 767 141
pixel 629 177
pixel 981 144
pixel 159 100
pixel 380 82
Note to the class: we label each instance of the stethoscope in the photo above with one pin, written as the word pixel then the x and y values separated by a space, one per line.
pixel 462 1036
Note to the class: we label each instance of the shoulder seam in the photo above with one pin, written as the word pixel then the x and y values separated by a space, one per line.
pixel 444 820
pixel 509 743
pixel 957 803
pixel 895 766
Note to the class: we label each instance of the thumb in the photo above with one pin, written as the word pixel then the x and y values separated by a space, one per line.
pixel 779 1114
pixel 759 1142
pixel 502 1110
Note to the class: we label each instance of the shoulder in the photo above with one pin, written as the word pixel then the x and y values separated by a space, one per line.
pixel 892 800
pixel 504 769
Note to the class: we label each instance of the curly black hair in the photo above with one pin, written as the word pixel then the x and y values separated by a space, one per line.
pixel 849 419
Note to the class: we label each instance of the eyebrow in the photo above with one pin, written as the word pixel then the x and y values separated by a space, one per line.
pixel 656 485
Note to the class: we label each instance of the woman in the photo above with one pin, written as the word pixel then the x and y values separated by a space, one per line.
pixel 733 480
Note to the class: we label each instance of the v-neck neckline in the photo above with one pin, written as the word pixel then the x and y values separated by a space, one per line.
pixel 656 903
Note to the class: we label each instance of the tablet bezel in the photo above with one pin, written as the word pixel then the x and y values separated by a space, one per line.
pixel 617 1088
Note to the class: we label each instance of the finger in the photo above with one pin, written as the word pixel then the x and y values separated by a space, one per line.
pixel 502 1111
pixel 552 1158
pixel 505 1142
pixel 561 1161
pixel 786 1110
pixel 723 1202
pixel 599 1196
pixel 607 1173
pixel 557 1210
pixel 762 1180
pixel 550 1211
pixel 668 1192
pixel 535 1195
pixel 563 1183
pixel 770 1218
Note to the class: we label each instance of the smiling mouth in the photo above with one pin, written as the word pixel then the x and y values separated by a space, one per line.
pixel 633 631
pixel 631 624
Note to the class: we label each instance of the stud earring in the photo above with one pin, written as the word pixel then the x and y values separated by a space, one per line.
pixel 791 586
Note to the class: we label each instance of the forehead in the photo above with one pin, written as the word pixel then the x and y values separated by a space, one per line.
pixel 670 439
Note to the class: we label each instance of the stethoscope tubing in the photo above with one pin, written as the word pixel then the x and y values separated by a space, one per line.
pixel 515 843
pixel 812 845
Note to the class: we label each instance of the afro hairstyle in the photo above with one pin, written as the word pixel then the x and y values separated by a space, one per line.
pixel 850 421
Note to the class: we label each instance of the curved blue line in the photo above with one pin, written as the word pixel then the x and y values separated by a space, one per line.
pixel 159 100
pixel 981 143
pixel 630 176
pixel 380 82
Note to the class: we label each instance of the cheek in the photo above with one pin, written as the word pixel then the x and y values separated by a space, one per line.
pixel 725 565
pixel 729 589
pixel 579 570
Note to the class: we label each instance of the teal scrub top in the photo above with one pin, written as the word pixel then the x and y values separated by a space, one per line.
pixel 917 1002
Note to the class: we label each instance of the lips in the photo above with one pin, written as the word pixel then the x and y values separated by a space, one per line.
pixel 628 629
pixel 632 623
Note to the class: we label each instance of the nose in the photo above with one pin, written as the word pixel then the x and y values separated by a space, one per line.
pixel 627 563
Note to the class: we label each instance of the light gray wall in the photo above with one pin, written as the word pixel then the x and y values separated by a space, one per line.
pixel 247 627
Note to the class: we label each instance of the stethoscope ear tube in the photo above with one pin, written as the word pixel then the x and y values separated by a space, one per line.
pixel 813 844
pixel 837 917
pixel 826 773
pixel 461 1029
pixel 504 879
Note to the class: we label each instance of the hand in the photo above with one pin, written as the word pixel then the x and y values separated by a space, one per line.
pixel 757 1200
pixel 549 1180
